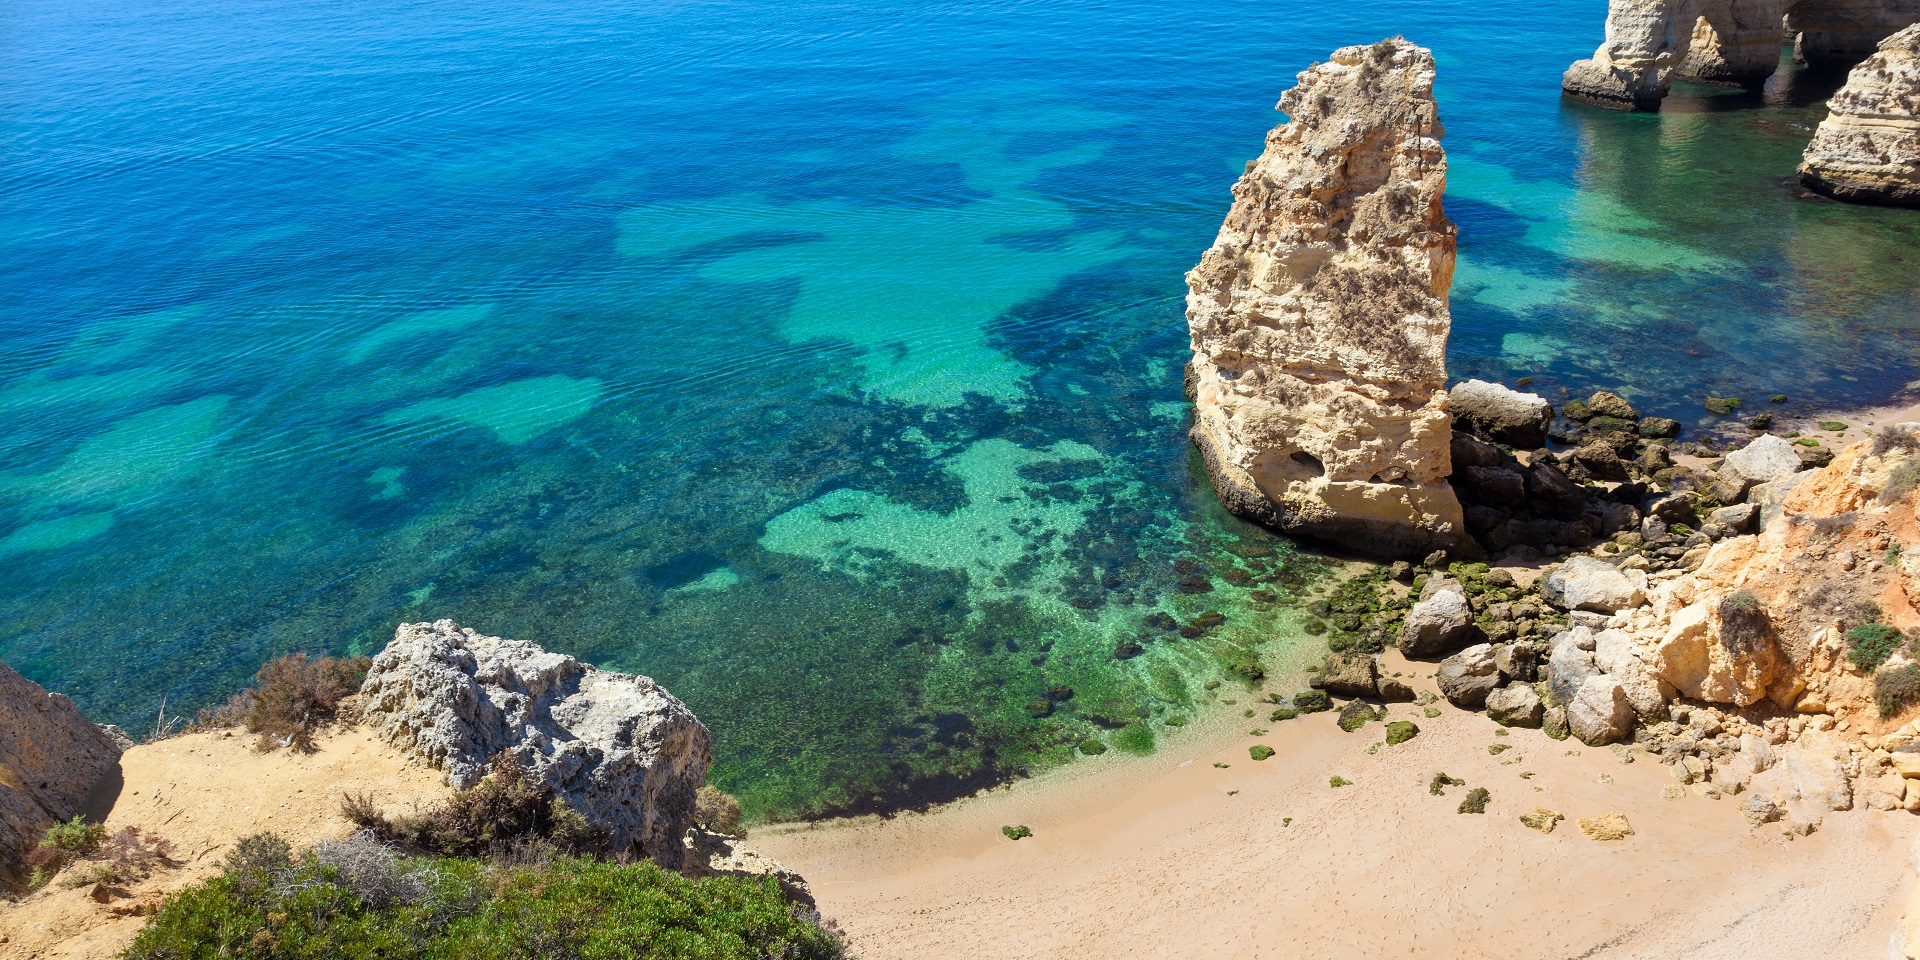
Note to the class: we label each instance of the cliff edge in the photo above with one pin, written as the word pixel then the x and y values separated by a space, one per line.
pixel 1319 316
pixel 51 757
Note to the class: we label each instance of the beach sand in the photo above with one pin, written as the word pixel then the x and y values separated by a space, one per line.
pixel 1172 856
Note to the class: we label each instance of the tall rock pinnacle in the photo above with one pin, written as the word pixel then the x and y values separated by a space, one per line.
pixel 1319 317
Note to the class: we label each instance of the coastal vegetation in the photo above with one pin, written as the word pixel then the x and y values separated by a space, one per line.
pixel 359 899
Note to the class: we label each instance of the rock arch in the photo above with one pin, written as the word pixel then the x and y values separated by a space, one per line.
pixel 1725 42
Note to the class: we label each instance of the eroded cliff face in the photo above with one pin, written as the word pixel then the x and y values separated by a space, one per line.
pixel 51 757
pixel 1867 150
pixel 1649 43
pixel 1319 316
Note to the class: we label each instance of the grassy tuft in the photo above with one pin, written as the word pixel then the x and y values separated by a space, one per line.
pixel 1870 645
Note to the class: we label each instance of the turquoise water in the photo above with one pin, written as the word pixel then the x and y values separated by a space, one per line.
pixel 821 360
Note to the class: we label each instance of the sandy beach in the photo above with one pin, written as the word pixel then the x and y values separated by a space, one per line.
pixel 1176 856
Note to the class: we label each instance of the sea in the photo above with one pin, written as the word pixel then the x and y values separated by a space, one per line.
pixel 820 359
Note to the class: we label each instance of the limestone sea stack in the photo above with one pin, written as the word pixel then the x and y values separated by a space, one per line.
pixel 617 747
pixel 51 758
pixel 1649 43
pixel 1319 316
pixel 1867 150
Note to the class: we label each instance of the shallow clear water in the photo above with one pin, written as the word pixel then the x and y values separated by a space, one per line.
pixel 819 359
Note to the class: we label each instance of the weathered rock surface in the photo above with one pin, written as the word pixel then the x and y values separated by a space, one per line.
pixel 1319 317
pixel 1811 771
pixel 1599 712
pixel 1704 656
pixel 1437 625
pixel 617 747
pixel 1584 583
pixel 1467 677
pixel 1515 705
pixel 1725 42
pixel 1349 675
pixel 1501 414
pixel 51 757
pixel 1867 150
pixel 1766 458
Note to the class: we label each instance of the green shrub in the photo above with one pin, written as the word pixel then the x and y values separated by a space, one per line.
pixel 1260 751
pixel 1476 801
pixel 1441 782
pixel 1870 645
pixel 360 904
pixel 1336 781
pixel 1897 689
pixel 259 853
pixel 1017 831
pixel 63 843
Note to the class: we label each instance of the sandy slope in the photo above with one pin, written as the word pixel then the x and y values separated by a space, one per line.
pixel 1173 857
pixel 203 791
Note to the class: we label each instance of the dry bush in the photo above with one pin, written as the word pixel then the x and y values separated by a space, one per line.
pixel 507 814
pixel 717 811
pixel 134 853
pixel 294 695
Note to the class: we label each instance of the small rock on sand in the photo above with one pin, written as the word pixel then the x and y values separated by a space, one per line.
pixel 1607 826
pixel 1541 819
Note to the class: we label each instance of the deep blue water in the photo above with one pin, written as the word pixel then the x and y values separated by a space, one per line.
pixel 819 359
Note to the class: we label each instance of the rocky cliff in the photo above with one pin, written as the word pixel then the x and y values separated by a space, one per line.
pixel 1868 148
pixel 1650 43
pixel 1319 317
pixel 51 757
pixel 617 747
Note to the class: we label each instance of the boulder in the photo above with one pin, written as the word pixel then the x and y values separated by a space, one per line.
pixel 1437 625
pixel 1618 656
pixel 1501 414
pixel 1767 458
pixel 617 747
pixel 1585 583
pixel 1604 404
pixel 1551 493
pixel 1516 661
pixel 1599 713
pixel 1736 518
pixel 1516 705
pixel 1349 675
pixel 1867 150
pixel 1467 677
pixel 1569 663
pixel 1393 690
pixel 1705 657
pixel 51 757
pixel 1817 765
pixel 1319 318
